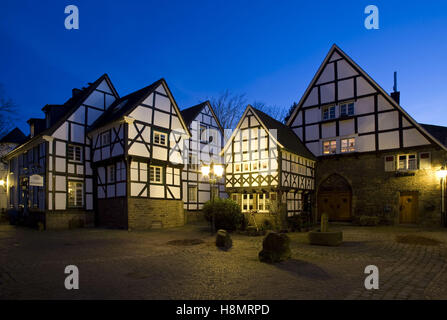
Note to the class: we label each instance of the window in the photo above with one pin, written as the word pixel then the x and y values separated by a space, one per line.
pixel 407 162
pixel 246 166
pixel 160 138
pixel 192 193
pixel 348 145
pixel 156 174
pixel 111 173
pixel 329 113
pixel 120 171
pixel 264 165
pixel 254 166
pixel 247 202
pixel 234 197
pixel 330 147
pixel 263 202
pixel 75 194
pixel 347 109
pixel 105 138
pixel 203 134
pixel 390 163
pixel 74 153
pixel 237 167
pixel 192 161
pixel 424 160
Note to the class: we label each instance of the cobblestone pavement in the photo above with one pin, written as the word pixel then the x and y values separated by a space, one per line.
pixel 115 264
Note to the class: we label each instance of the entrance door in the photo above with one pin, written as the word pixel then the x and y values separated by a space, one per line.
pixel 337 205
pixel 408 207
pixel 334 198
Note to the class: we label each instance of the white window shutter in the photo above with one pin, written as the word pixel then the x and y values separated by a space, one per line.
pixel 390 163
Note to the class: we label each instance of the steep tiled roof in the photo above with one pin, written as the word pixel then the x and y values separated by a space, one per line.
pixel 14 136
pixel 439 132
pixel 285 136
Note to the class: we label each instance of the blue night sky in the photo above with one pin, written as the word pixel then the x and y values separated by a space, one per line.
pixel 269 50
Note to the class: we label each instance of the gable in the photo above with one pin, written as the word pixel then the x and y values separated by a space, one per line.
pixel 379 123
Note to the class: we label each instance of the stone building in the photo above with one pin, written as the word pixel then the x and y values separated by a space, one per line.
pixel 374 159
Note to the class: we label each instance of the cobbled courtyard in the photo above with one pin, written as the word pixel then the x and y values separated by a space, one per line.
pixel 183 263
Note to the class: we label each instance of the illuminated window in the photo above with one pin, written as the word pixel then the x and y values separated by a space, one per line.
pixel 237 167
pixel 329 112
pixel 264 165
pixel 254 166
pixel 263 202
pixel 347 109
pixel 407 162
pixel 192 193
pixel 156 174
pixel 247 202
pixel 347 145
pixel 75 194
pixel 330 147
pixel 246 166
pixel 160 138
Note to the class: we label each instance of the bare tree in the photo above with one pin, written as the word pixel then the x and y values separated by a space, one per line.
pixel 8 112
pixel 276 112
pixel 229 108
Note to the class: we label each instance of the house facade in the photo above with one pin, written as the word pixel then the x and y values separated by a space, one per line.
pixel 50 175
pixel 269 172
pixel 203 148
pixel 374 159
pixel 7 143
pixel 138 158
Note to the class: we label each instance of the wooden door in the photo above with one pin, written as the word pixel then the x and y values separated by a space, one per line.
pixel 408 207
pixel 336 204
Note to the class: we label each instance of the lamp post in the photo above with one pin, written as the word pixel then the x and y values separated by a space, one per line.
pixel 442 173
pixel 213 171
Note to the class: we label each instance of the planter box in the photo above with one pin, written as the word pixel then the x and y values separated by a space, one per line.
pixel 330 238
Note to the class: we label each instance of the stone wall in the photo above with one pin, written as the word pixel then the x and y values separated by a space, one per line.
pixel 69 219
pixel 194 216
pixel 112 213
pixel 376 192
pixel 146 213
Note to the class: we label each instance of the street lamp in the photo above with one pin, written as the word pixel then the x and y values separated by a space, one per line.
pixel 213 171
pixel 441 174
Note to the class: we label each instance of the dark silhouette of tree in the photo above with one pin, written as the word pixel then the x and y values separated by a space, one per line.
pixel 8 113
pixel 289 113
pixel 229 108
pixel 276 112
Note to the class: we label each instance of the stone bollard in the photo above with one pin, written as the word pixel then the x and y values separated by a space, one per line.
pixel 275 248
pixel 324 223
pixel 223 240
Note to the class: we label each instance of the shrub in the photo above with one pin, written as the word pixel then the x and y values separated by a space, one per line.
pixel 228 215
pixel 267 225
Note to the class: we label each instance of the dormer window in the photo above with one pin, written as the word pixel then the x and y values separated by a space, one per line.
pixel 329 112
pixel 347 109
pixel 105 138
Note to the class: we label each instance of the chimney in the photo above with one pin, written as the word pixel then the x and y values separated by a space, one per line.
pixel 75 91
pixel 395 94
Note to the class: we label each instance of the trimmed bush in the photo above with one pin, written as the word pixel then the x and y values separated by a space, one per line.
pixel 228 215
pixel 223 240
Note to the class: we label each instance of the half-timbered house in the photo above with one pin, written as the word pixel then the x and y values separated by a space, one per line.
pixel 137 153
pixel 374 159
pixel 7 143
pixel 203 148
pixel 269 172
pixel 50 175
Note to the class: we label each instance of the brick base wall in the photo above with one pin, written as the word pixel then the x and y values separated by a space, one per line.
pixel 194 216
pixel 112 213
pixel 68 220
pixel 377 193
pixel 150 213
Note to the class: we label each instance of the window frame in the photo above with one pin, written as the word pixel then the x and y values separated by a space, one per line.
pixel 108 135
pixel 329 110
pixel 160 134
pixel 75 147
pixel 330 147
pixel 190 188
pixel 76 189
pixel 348 148
pixel 155 174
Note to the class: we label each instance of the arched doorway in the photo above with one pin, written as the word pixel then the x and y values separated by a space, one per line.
pixel 335 198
